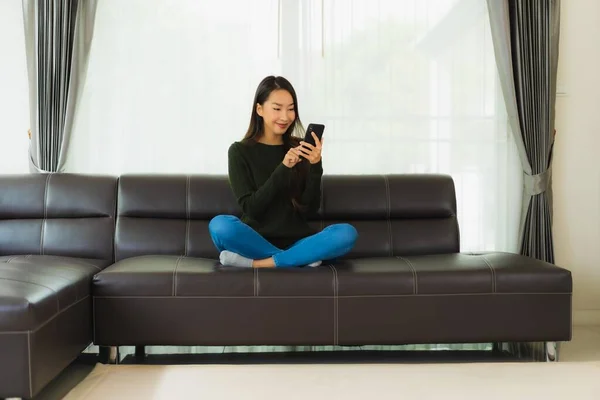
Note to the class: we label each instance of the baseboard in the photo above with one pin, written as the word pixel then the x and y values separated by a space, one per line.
pixel 586 317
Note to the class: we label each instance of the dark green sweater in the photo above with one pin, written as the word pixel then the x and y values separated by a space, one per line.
pixel 261 185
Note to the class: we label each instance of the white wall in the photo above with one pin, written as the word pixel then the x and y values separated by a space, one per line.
pixel 576 173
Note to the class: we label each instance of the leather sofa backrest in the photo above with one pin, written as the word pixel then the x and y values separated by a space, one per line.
pixel 57 214
pixel 169 214
pixel 394 215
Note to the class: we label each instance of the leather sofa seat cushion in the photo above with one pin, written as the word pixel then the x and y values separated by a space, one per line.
pixel 450 274
pixel 172 276
pixel 34 288
pixel 443 274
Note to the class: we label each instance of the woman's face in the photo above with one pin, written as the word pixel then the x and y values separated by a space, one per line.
pixel 278 112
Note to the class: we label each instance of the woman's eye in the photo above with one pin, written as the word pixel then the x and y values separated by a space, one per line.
pixel 277 109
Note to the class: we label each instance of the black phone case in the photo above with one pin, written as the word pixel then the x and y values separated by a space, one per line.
pixel 317 129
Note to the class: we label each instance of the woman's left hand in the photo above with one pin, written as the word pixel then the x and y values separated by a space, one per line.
pixel 310 152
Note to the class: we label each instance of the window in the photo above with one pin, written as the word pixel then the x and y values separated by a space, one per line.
pixel 403 86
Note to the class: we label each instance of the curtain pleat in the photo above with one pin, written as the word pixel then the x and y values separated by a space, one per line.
pixel 526 35
pixel 58 39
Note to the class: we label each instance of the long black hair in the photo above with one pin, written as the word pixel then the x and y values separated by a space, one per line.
pixel 291 137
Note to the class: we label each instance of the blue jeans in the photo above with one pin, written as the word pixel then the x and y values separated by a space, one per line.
pixel 230 233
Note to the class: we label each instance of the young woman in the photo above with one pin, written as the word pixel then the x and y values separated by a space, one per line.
pixel 276 179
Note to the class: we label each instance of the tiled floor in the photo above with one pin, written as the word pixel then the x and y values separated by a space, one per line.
pixel 585 346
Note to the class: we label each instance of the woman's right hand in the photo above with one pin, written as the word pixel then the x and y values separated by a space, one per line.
pixel 291 158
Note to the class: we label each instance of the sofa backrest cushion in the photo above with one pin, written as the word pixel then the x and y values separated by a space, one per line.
pixel 394 214
pixel 57 214
pixel 164 214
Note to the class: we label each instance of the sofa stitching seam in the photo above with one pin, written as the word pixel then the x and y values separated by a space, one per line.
pixel 43 273
pixel 255 276
pixel 89 265
pixel 37 284
pixel 187 214
pixel 28 257
pixel 175 276
pixel 48 320
pixel 343 296
pixel 414 274
pixel 43 227
pixel 494 283
pixel 337 309
pixel 389 214
pixel 335 306
pixel 322 204
pixel 257 283
pixel 115 216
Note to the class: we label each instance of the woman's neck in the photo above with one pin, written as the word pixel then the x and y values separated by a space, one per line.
pixel 271 139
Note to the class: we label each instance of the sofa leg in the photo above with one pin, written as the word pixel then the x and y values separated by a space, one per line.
pixel 113 357
pixel 140 352
pixel 551 350
pixel 498 347
pixel 109 354
pixel 537 351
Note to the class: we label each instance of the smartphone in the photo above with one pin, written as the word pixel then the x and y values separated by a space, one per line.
pixel 317 129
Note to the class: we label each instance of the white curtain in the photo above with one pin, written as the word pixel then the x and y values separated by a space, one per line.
pixel 403 86
pixel 170 84
pixel 14 102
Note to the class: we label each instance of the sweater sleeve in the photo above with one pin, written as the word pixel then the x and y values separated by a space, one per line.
pixel 312 192
pixel 253 200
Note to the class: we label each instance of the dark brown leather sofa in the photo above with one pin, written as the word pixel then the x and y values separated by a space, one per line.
pixel 130 262
pixel 56 232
